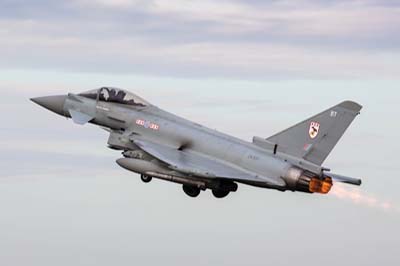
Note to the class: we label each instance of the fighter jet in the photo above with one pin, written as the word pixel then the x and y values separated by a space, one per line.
pixel 157 144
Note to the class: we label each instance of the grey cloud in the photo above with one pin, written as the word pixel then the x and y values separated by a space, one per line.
pixel 102 22
pixel 149 38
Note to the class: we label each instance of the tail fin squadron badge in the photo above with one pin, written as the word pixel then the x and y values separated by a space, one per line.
pixel 314 129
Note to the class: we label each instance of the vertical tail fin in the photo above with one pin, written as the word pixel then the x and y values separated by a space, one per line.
pixel 315 138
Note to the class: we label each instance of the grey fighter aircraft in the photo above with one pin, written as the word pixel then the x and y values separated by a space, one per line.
pixel 158 144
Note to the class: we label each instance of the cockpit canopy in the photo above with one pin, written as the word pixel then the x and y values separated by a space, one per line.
pixel 115 95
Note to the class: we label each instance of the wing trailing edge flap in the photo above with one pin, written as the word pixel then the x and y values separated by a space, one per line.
pixel 202 166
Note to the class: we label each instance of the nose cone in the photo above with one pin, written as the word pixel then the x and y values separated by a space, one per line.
pixel 52 103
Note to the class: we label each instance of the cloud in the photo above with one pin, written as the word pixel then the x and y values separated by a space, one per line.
pixel 247 39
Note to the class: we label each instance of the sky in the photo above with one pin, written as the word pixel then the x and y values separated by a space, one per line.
pixel 247 68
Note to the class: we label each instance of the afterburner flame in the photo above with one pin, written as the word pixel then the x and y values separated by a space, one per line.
pixel 321 186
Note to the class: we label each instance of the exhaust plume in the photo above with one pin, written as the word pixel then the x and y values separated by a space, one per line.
pixel 358 197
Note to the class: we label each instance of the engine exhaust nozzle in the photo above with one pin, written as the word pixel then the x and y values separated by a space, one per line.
pixel 323 186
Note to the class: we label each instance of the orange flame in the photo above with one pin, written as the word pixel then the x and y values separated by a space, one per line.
pixel 321 186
